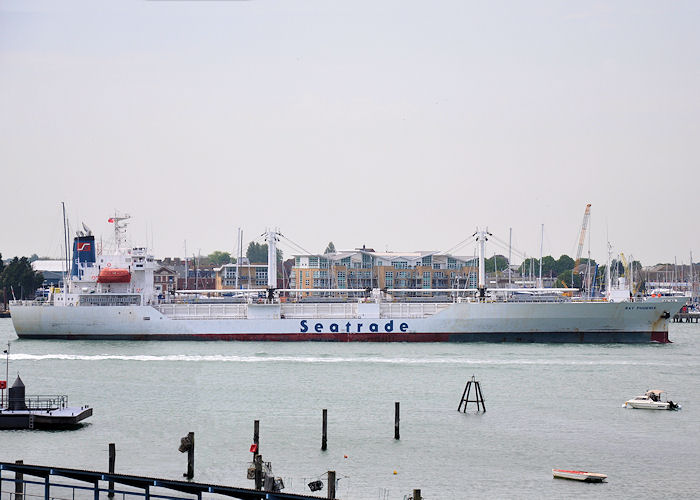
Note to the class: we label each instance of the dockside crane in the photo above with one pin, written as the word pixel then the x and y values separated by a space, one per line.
pixel 581 239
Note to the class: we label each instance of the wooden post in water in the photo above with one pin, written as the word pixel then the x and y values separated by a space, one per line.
pixel 112 457
pixel 187 445
pixel 19 485
pixel 331 484
pixel 416 495
pixel 396 420
pixel 257 459
pixel 324 440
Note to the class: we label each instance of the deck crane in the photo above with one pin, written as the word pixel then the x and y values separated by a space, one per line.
pixel 582 237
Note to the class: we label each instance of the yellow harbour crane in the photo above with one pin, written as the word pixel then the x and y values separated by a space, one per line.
pixel 581 239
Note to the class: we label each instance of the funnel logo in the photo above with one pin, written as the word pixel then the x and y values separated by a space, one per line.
pixel 84 247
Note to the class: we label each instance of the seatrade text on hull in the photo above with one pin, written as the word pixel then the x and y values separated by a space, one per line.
pixel 348 327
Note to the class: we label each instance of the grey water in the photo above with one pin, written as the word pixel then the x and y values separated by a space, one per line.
pixel 548 406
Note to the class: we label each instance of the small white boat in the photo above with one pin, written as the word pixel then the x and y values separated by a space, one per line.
pixel 579 475
pixel 652 400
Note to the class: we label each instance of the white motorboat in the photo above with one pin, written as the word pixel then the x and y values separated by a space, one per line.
pixel 579 475
pixel 652 400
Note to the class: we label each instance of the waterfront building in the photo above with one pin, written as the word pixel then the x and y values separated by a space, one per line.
pixel 250 275
pixel 367 268
pixel 164 280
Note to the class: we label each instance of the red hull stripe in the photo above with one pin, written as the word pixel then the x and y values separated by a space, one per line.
pixel 543 337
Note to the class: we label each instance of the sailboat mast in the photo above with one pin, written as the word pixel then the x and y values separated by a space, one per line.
pixel 238 256
pixel 541 244
pixel 65 244
pixel 692 283
pixel 510 243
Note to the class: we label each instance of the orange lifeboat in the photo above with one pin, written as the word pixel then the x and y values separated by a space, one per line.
pixel 114 276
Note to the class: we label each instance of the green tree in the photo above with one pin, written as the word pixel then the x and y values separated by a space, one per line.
pixel 257 253
pixel 501 263
pixel 564 280
pixel 549 266
pixel 330 248
pixel 2 264
pixel 564 263
pixel 18 276
pixel 219 258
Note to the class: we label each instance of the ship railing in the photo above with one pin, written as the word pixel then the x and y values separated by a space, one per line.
pixel 29 303
pixel 44 402
pixel 201 311
pixel 409 310
pixel 321 310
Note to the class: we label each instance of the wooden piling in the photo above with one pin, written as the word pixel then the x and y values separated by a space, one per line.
pixel 190 457
pixel 187 445
pixel 396 420
pixel 416 495
pixel 331 484
pixel 19 484
pixel 257 459
pixel 112 457
pixel 324 436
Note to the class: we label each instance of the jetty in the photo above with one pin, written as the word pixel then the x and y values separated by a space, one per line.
pixel 686 315
pixel 18 411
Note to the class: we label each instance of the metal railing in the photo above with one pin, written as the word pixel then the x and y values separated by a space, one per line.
pixel 144 486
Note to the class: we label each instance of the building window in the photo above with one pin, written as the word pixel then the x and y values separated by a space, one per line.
pixel 306 283
pixel 400 264
pixel 436 266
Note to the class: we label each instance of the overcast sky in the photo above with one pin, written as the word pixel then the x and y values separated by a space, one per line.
pixel 401 125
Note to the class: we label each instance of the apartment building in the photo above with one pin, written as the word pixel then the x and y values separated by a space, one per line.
pixel 249 276
pixel 366 268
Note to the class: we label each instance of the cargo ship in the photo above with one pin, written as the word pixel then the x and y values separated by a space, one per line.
pixel 113 298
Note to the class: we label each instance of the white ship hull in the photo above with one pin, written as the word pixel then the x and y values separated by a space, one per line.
pixel 645 321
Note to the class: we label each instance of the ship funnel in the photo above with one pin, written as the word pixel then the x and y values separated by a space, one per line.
pixel 83 253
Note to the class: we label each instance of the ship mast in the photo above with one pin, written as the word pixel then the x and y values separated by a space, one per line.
pixel 482 237
pixel 120 222
pixel 272 239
